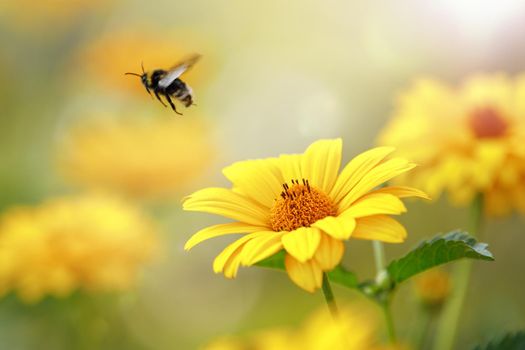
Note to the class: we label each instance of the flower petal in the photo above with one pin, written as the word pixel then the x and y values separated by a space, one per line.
pixel 358 167
pixel 259 179
pixel 229 259
pixel 403 192
pixel 337 227
pixel 518 196
pixel 320 163
pixel 291 166
pixel 375 177
pixel 308 275
pixel 374 204
pixel 302 242
pixel 329 253
pixel 380 228
pixel 262 247
pixel 220 230
pixel 232 264
pixel 222 201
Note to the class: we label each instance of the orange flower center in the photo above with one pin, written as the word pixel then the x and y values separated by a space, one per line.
pixel 488 123
pixel 300 205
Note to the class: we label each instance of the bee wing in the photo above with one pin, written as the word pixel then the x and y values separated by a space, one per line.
pixel 177 70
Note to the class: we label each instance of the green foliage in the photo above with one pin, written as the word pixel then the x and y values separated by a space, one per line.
pixel 343 277
pixel 430 253
pixel 275 261
pixel 338 275
pixel 436 251
pixel 510 341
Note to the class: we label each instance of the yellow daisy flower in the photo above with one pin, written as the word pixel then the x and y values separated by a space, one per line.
pixel 468 140
pixel 433 286
pixel 38 15
pixel 355 329
pixel 92 243
pixel 151 158
pixel 300 203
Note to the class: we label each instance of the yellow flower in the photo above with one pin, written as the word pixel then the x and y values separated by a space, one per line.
pixel 301 204
pixel 433 287
pixel 468 140
pixel 91 243
pixel 354 329
pixel 145 158
pixel 110 55
pixel 40 14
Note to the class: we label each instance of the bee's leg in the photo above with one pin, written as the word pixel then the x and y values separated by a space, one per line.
pixel 171 104
pixel 158 98
pixel 149 91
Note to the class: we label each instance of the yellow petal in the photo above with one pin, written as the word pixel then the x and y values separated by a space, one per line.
pixel 518 196
pixel 320 163
pixel 403 192
pixel 308 275
pixel 262 247
pixel 496 203
pixel 259 179
pixel 232 264
pixel 374 204
pixel 291 167
pixel 490 154
pixel 302 242
pixel 337 227
pixel 380 228
pixel 230 258
pixel 510 174
pixel 358 167
pixel 222 201
pixel 329 253
pixel 219 230
pixel 375 177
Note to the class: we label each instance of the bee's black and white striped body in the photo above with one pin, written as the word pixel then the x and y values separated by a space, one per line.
pixel 168 84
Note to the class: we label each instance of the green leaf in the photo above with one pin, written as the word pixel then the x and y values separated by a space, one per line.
pixel 339 275
pixel 436 251
pixel 275 261
pixel 510 341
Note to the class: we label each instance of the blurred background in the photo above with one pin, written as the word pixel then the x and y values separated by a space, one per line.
pixel 274 76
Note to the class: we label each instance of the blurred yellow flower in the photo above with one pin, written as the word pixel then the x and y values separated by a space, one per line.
pixel 468 140
pixel 30 14
pixel 433 286
pixel 355 329
pixel 144 158
pixel 302 204
pixel 109 56
pixel 91 243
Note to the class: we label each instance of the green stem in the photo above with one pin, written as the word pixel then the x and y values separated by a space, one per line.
pixel 389 323
pixel 329 296
pixel 423 328
pixel 379 257
pixel 449 321
pixel 476 215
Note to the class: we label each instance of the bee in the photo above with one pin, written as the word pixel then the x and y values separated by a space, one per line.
pixel 168 84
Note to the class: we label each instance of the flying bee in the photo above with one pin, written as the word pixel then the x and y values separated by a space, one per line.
pixel 168 84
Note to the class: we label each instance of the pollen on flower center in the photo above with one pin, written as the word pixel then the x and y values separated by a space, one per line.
pixel 487 123
pixel 300 205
